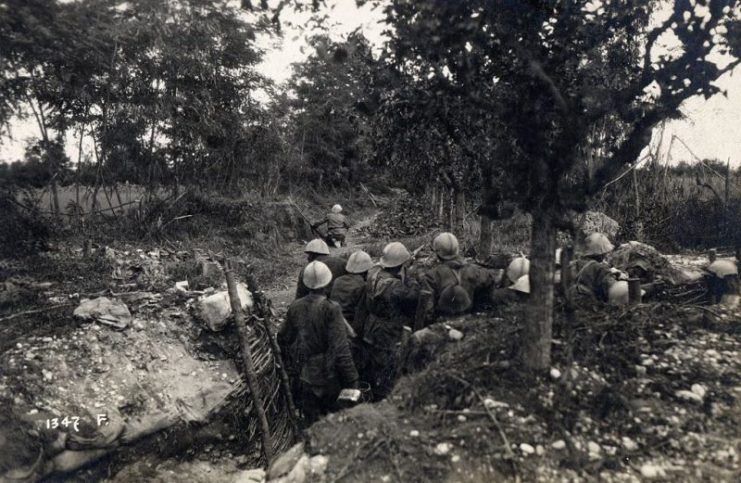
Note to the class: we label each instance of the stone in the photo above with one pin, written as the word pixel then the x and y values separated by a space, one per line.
pixel 442 449
pixel 699 389
pixel 454 334
pixel 250 476
pixel 689 396
pixel 102 309
pixel 414 433
pixel 286 461
pixel 215 309
pixel 559 445
pixel 539 450
pixel 629 444
pixel 493 404
pixel 527 449
pixel 318 465
pixel 650 470
pixel 555 373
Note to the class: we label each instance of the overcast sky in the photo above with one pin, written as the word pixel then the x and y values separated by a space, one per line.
pixel 711 128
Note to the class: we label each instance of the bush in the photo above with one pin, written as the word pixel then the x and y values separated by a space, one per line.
pixel 24 231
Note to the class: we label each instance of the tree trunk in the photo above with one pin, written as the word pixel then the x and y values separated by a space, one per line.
pixel 451 210
pixel 460 211
pixel 485 238
pixel 441 205
pixel 537 331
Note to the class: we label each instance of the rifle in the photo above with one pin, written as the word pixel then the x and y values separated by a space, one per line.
pixel 314 230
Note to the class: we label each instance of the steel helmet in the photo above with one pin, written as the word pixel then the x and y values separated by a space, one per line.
pixel 617 294
pixel 359 262
pixel 394 255
pixel 521 285
pixel 318 246
pixel 598 244
pixel 317 275
pixel 722 268
pixel 336 209
pixel 445 246
pixel 517 268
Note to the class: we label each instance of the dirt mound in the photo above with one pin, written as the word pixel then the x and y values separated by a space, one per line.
pixel 644 392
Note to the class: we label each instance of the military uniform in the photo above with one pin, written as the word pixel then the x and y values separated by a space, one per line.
pixel 315 336
pixel 453 287
pixel 591 282
pixel 389 305
pixel 348 291
pixel 336 266
pixel 337 226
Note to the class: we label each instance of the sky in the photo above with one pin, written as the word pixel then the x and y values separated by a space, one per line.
pixel 711 127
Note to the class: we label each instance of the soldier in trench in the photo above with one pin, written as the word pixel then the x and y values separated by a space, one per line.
pixel 316 338
pixel 387 312
pixel 317 250
pixel 451 287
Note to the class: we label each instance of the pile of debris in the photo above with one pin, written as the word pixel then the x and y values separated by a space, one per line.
pixel 138 363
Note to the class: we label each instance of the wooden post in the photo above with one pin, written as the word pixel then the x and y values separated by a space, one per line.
pixel 634 291
pixel 566 254
pixel 712 255
pixel 249 368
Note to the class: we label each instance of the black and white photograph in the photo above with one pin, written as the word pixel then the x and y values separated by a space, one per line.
pixel 396 241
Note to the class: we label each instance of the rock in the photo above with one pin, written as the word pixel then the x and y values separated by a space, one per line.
pixel 595 450
pixel 286 461
pixel 559 445
pixel 442 449
pixel 102 309
pixel 689 396
pixel 629 444
pixel 650 470
pixel 526 449
pixel 181 286
pixel 699 389
pixel 250 476
pixel 555 373
pixel 539 450
pixel 318 465
pixel 414 433
pixel 299 472
pixel 454 334
pixel 492 404
pixel 215 309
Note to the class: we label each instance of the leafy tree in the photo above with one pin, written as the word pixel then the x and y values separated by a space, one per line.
pixel 554 73
pixel 334 94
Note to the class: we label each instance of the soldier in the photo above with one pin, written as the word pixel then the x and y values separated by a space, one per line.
pixel 317 250
pixel 591 276
pixel 348 290
pixel 337 226
pixel 453 286
pixel 390 304
pixel 314 333
pixel 517 268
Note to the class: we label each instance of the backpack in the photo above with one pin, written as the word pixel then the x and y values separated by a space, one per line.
pixel 454 299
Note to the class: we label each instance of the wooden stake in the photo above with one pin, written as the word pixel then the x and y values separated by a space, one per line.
pixel 634 291
pixel 249 368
